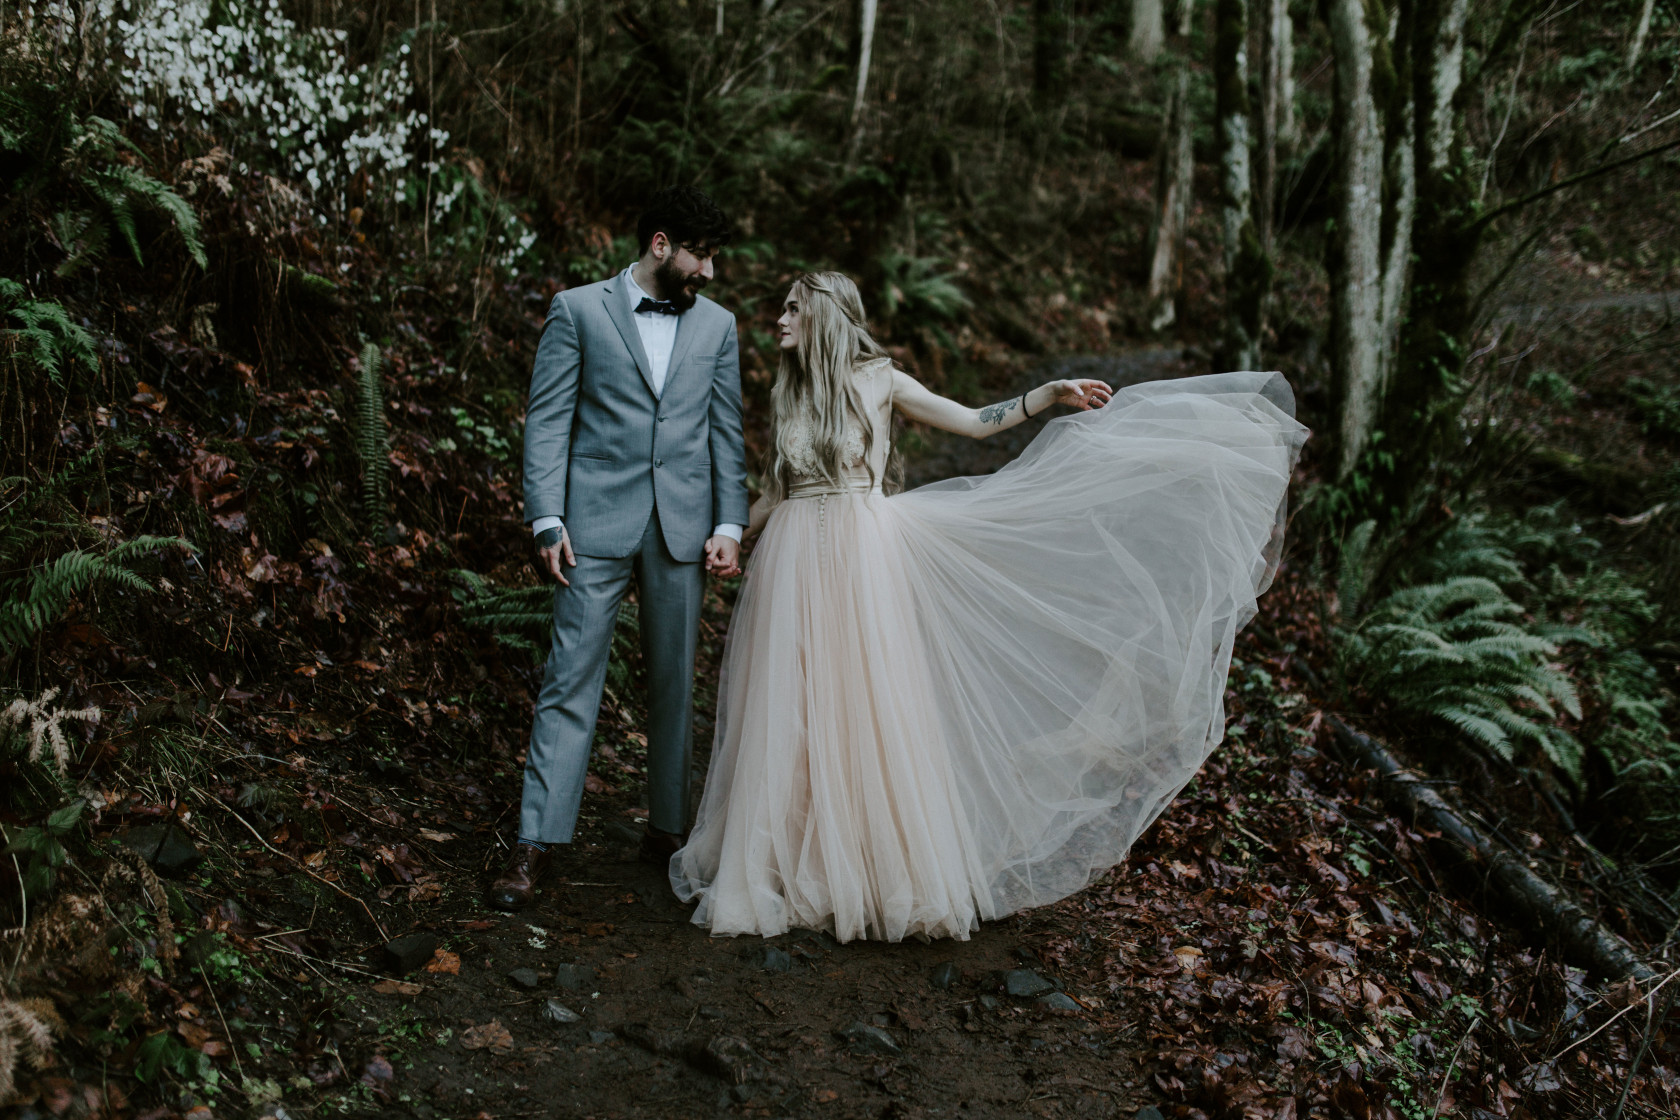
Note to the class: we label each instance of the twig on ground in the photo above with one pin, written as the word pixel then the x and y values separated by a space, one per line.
pixel 1600 1028
pixel 1651 1021
pixel 301 866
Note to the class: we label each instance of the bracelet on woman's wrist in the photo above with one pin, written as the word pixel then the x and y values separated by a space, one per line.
pixel 1024 413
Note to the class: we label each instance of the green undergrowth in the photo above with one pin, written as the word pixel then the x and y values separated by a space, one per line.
pixel 1522 637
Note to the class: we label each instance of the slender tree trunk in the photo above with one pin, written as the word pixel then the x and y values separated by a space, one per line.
pixel 866 44
pixel 1174 176
pixel 1282 29
pixel 1149 30
pixel 1399 114
pixel 1277 110
pixel 1247 268
pixel 1439 74
pixel 1637 47
pixel 1050 42
pixel 1355 257
pixel 1421 408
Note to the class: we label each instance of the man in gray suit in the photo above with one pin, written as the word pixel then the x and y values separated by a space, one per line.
pixel 634 466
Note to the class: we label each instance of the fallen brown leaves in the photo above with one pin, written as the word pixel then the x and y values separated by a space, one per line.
pixel 490 1036
pixel 1290 954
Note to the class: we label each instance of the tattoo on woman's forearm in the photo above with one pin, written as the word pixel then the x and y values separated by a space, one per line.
pixel 995 413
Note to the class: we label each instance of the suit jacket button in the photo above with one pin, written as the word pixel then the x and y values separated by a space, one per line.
pixel 662 419
pixel 659 462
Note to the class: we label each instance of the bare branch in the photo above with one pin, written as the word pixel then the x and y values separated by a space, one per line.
pixel 1564 184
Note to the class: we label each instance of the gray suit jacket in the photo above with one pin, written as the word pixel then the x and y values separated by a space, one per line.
pixel 602 452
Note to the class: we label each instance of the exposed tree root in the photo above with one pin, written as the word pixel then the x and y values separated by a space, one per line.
pixel 1536 904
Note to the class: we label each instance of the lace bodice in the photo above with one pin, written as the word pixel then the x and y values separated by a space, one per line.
pixel 801 450
pixel 874 385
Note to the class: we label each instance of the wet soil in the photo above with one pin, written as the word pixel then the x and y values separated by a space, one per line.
pixel 672 1023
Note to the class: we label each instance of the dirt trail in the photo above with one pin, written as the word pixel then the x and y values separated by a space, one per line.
pixel 1667 303
pixel 672 1023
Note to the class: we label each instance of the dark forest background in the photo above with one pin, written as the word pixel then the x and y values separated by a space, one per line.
pixel 272 275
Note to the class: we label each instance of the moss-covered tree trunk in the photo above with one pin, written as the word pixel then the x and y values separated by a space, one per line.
pixel 1373 200
pixel 1277 109
pixel 1421 407
pixel 1248 270
pixel 1174 171
pixel 1637 46
pixel 1148 30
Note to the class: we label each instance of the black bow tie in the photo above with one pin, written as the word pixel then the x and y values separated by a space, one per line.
pixel 663 306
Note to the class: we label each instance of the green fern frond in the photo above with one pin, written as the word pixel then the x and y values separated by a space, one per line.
pixel 522 644
pixel 1459 650
pixel 1516 646
pixel 82 236
pixel 119 188
pixel 1353 569
pixel 1565 751
pixel 49 335
pixel 1485 731
pixel 527 611
pixel 99 137
pixel 916 286
pixel 523 618
pixel 31 603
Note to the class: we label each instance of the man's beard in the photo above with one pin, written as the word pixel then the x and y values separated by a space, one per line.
pixel 680 288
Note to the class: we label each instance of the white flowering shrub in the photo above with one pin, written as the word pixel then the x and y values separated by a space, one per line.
pixel 293 96
pixel 472 222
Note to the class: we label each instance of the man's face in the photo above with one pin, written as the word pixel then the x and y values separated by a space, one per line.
pixel 683 271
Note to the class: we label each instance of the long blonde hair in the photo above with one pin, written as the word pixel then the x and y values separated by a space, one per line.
pixel 814 380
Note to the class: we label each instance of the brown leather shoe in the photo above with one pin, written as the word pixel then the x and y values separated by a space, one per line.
pixel 517 884
pixel 658 847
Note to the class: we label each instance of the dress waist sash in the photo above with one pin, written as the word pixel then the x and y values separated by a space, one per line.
pixel 821 488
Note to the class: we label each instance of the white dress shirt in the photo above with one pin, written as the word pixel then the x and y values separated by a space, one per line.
pixel 659 337
pixel 658 331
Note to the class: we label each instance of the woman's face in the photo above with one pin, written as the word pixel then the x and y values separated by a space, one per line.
pixel 789 322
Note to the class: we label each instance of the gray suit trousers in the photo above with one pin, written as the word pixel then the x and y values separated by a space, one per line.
pixel 669 594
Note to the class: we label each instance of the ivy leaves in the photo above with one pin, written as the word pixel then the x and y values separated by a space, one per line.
pixel 42 848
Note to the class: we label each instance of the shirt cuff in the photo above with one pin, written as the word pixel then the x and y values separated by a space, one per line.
pixel 733 532
pixel 549 522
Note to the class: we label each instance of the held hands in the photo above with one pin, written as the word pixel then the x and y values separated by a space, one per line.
pixel 723 556
pixel 1082 393
pixel 551 549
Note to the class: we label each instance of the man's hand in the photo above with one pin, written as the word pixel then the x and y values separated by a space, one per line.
pixel 553 545
pixel 723 556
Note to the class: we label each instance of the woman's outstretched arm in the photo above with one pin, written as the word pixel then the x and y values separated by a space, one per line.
pixel 922 404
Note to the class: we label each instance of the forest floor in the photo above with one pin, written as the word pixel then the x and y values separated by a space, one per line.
pixel 1278 945
pixel 1275 946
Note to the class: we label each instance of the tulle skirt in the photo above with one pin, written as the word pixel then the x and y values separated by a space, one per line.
pixel 944 706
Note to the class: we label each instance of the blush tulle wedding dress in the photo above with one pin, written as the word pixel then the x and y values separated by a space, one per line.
pixel 949 704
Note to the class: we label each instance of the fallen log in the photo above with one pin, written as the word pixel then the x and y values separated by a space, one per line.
pixel 1544 908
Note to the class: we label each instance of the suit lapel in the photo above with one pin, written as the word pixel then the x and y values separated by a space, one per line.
pixel 688 325
pixel 612 296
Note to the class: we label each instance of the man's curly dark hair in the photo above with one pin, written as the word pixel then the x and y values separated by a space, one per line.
pixel 688 217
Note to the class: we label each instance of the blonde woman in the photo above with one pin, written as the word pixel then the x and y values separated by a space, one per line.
pixel 946 705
